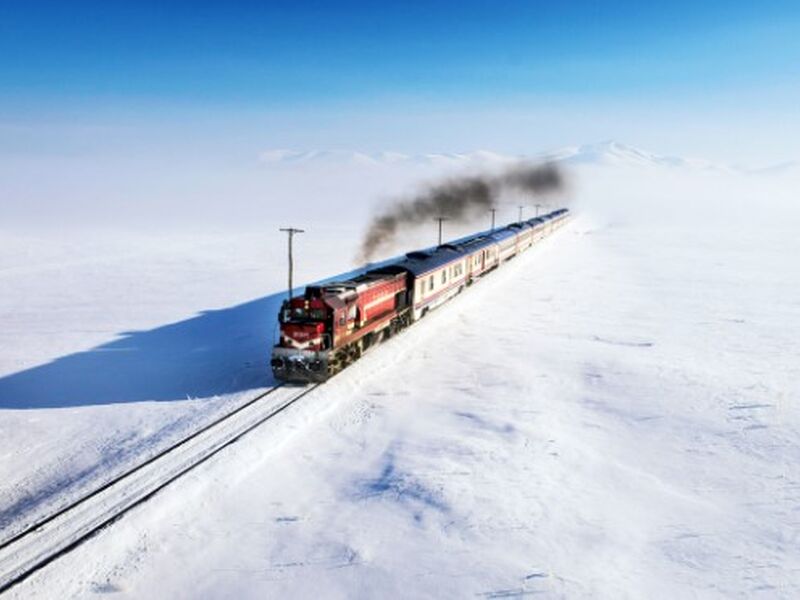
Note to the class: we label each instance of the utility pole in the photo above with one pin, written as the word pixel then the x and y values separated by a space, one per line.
pixel 440 219
pixel 520 207
pixel 492 210
pixel 537 208
pixel 291 231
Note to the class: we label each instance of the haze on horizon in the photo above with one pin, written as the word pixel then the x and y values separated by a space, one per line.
pixel 109 105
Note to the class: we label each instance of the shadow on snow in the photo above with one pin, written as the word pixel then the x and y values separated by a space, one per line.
pixel 216 352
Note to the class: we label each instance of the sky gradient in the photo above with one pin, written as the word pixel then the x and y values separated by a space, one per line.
pixel 212 85
pixel 274 53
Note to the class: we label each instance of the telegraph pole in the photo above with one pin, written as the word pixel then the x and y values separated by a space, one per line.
pixel 291 231
pixel 520 207
pixel 440 219
pixel 537 208
pixel 492 210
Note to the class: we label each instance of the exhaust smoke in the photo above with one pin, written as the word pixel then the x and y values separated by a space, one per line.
pixel 459 199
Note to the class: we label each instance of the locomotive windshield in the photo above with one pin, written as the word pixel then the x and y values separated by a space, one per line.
pixel 313 314
pixel 299 314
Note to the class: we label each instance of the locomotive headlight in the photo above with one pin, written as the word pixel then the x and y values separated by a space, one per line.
pixel 277 363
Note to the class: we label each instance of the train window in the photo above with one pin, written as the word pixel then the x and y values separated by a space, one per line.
pixel 444 275
pixel 430 283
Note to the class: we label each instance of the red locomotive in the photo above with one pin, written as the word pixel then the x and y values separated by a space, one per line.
pixel 333 324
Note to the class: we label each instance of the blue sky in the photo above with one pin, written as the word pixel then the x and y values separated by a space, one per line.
pixel 284 53
pixel 711 79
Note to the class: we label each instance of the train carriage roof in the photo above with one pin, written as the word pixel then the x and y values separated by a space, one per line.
pixel 421 262
pixel 476 243
pixel 520 226
pixel 502 234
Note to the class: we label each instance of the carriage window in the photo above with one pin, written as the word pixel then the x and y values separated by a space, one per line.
pixel 444 275
pixel 430 283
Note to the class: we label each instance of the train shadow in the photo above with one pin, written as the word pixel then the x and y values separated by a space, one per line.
pixel 216 352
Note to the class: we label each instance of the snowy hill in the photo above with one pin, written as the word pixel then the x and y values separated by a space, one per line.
pixel 606 153
pixel 617 154
pixel 344 157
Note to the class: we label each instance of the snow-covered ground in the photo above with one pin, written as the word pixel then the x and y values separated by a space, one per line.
pixel 613 415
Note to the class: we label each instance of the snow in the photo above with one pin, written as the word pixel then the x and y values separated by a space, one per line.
pixel 611 415
pixel 284 157
pixel 607 153
pixel 615 153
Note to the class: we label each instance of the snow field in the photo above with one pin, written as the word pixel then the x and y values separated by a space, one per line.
pixel 610 416
pixel 591 421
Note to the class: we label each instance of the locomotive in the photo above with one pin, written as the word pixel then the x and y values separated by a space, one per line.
pixel 331 325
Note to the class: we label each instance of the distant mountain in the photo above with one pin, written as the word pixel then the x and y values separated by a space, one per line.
pixel 617 154
pixel 607 153
pixel 791 167
pixel 340 157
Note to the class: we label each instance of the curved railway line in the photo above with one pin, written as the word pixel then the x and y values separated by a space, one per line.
pixel 53 536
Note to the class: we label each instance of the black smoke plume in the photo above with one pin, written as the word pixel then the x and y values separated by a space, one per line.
pixel 458 199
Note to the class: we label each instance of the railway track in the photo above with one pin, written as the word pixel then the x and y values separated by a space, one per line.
pixel 62 531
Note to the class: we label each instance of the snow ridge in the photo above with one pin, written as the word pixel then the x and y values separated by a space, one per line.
pixel 606 153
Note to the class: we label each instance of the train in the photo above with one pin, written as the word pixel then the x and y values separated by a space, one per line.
pixel 331 325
